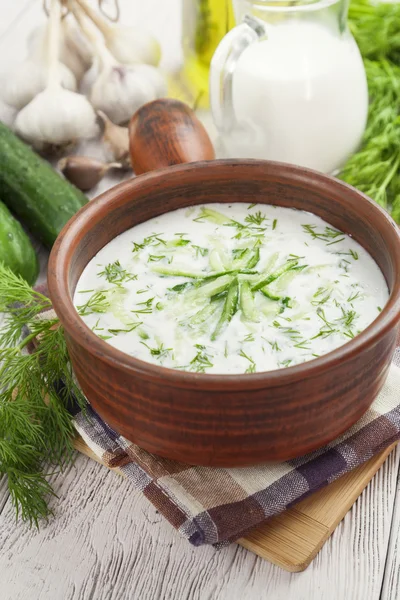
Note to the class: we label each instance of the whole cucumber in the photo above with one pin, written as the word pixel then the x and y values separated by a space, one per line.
pixel 34 191
pixel 16 250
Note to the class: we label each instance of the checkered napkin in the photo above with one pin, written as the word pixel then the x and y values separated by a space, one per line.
pixel 214 505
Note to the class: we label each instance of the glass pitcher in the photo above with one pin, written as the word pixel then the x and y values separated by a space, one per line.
pixel 289 84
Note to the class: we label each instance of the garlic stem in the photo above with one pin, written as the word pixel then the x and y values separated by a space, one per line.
pixel 100 23
pixel 53 48
pixel 103 54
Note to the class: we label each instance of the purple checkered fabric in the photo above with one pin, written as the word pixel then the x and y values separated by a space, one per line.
pixel 215 505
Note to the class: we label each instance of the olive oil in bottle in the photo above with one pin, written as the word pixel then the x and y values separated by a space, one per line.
pixel 204 24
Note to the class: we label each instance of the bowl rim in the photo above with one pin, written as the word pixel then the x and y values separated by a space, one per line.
pixel 76 328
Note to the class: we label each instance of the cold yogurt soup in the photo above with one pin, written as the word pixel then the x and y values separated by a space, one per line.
pixel 230 289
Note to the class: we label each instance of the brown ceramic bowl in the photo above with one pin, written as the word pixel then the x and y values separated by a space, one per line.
pixel 228 420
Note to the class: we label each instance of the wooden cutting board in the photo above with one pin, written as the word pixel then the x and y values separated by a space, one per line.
pixel 292 539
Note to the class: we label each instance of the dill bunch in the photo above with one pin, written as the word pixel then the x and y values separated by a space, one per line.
pixel 376 28
pixel 36 428
pixel 374 169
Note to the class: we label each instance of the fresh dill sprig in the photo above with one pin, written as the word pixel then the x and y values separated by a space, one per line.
pixel 99 302
pixel 155 257
pixel 159 351
pixel 151 240
pixel 201 361
pixel 329 235
pixel 274 346
pixel 115 273
pixel 375 168
pixel 200 251
pixel 35 426
pixel 96 329
pixel 257 218
pixel 354 296
pixel 130 327
pixel 347 317
pixel 321 296
pixel 252 366
pixel 376 27
pixel 285 363
pixel 249 337
pixel 351 253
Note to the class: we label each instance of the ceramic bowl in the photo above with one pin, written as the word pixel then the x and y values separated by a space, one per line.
pixel 228 420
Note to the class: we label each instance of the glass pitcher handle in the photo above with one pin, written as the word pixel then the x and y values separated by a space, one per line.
pixel 223 65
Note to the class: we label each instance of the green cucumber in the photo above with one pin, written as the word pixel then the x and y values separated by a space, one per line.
pixel 16 250
pixel 34 191
pixel 288 266
pixel 246 300
pixel 228 310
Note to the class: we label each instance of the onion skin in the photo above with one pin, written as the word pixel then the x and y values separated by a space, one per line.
pixel 166 132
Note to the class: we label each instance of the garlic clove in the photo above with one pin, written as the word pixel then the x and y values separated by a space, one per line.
pixel 89 78
pixel 121 90
pixel 56 117
pixel 84 172
pixel 29 78
pixel 156 78
pixel 76 43
pixel 115 140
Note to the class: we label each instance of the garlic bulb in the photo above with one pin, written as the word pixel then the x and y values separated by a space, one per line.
pixel 128 45
pixel 26 80
pixel 120 90
pixel 74 51
pixel 155 77
pixel 56 116
pixel 75 45
pixel 7 114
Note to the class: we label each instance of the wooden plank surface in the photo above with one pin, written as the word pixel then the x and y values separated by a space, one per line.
pixel 292 539
pixel 391 582
pixel 106 542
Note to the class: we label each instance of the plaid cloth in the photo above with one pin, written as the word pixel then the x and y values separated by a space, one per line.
pixel 215 505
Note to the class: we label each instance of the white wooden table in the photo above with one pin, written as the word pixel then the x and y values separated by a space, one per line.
pixel 106 542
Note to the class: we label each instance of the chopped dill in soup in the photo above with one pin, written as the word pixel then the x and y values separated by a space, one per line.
pixel 230 289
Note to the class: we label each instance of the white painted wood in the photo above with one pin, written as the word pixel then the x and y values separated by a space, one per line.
pixel 391 583
pixel 3 492
pixel 106 542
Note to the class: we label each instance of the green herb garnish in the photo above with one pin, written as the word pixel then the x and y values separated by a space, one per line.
pixel 130 327
pixel 115 273
pixel 252 367
pixel 201 361
pixel 159 351
pixel 33 432
pixel 256 219
pixel 200 251
pixel 375 168
pixel 99 302
pixel 328 235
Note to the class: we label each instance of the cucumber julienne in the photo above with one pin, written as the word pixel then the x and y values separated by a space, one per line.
pixel 34 191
